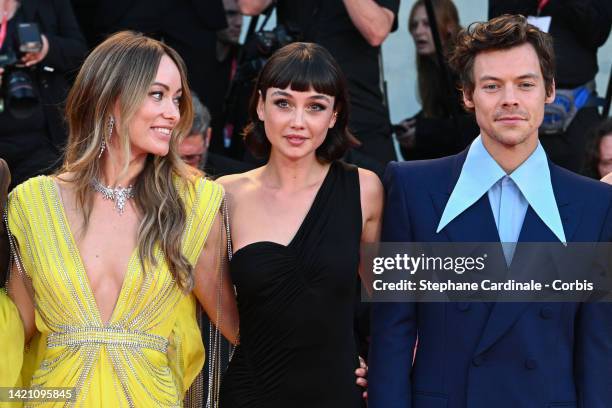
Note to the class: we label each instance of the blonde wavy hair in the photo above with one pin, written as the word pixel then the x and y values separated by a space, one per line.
pixel 120 71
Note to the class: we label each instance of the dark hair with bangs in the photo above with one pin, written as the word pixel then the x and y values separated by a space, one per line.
pixel 302 66
pixel 501 33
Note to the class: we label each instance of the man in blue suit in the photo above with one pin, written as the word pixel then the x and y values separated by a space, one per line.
pixel 501 189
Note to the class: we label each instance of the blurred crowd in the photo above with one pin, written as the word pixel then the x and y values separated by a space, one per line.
pixel 43 44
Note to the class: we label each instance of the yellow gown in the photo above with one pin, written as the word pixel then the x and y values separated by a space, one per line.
pixel 148 353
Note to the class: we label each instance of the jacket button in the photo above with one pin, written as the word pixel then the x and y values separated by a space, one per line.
pixel 531 364
pixel 546 312
pixel 463 306
pixel 477 361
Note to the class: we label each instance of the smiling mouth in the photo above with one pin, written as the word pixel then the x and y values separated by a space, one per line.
pixel 164 131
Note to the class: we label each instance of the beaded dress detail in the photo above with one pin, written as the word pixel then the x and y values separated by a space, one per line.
pixel 150 350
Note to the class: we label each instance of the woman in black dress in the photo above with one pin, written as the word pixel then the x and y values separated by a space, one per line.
pixel 297 224
pixel 433 132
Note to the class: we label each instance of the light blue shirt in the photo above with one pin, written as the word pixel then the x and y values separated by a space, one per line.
pixel 509 207
pixel 509 195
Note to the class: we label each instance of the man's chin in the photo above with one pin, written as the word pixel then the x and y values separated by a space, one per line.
pixel 511 139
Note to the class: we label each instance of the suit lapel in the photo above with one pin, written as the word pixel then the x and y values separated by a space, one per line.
pixel 475 224
pixel 570 205
pixel 504 315
pixel 534 229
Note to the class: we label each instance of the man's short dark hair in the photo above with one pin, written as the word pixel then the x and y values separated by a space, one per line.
pixel 201 117
pixel 500 33
pixel 302 66
pixel 593 155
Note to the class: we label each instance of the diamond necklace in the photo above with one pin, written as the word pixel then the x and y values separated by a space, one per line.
pixel 119 194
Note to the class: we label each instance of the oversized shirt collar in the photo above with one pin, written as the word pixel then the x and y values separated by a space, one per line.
pixel 480 171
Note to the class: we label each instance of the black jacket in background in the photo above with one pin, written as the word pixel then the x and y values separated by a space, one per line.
pixel 100 18
pixel 439 137
pixel 578 27
pixel 67 51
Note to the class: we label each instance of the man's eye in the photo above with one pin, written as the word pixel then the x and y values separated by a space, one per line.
pixel 490 87
pixel 527 85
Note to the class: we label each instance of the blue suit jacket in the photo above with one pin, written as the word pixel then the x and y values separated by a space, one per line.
pixel 469 356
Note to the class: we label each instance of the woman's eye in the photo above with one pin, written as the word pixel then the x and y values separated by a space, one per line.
pixel 316 107
pixel 157 95
pixel 281 103
pixel 177 100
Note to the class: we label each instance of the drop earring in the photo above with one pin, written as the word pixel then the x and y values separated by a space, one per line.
pixel 111 124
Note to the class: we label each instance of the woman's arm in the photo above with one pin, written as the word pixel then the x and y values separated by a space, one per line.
pixel 371 211
pixel 213 286
pixel 371 197
pixel 373 21
pixel 19 294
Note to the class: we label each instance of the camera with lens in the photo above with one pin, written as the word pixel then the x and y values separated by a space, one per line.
pixel 258 47
pixel 18 93
pixel 261 46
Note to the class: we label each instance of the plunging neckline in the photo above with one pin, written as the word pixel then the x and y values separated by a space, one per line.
pixel 302 225
pixel 89 294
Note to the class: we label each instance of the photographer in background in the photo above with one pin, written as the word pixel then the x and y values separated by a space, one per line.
pixel 352 31
pixel 34 83
pixel 230 115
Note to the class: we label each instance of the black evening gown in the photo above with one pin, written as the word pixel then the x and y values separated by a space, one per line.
pixel 296 305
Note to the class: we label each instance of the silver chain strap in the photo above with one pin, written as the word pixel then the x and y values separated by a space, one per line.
pixel 215 364
pixel 15 257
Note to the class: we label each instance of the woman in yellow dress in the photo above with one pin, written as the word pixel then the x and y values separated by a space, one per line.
pixel 111 252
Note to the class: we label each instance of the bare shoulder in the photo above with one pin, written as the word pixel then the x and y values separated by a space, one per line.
pixel 63 179
pixel 65 183
pixel 235 184
pixel 370 185
pixel 371 194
